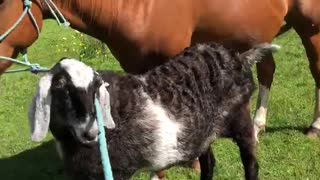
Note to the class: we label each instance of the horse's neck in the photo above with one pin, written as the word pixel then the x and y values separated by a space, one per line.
pixel 89 16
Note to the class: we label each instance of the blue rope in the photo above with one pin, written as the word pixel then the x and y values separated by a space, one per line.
pixel 34 68
pixel 103 144
pixel 55 12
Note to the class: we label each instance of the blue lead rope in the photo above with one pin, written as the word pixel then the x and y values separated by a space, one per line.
pixel 103 144
pixel 34 68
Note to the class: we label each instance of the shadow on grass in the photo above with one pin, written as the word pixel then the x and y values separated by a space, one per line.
pixel 40 163
pixel 301 129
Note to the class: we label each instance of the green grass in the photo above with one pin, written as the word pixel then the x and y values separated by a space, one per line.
pixel 283 152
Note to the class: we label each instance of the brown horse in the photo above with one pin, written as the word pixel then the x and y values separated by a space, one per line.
pixel 142 34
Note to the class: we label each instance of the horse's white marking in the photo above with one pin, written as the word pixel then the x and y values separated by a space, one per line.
pixel 316 121
pixel 166 145
pixel 262 107
pixel 81 74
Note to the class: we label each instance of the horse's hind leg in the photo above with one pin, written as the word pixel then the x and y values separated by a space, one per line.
pixel 207 163
pixel 242 134
pixel 310 37
pixel 265 71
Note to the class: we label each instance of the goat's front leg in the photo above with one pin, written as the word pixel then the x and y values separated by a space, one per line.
pixel 207 163
pixel 243 135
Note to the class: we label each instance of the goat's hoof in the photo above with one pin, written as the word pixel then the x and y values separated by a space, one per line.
pixel 313 133
pixel 158 175
pixel 196 166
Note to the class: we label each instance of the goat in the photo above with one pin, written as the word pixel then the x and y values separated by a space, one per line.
pixel 169 115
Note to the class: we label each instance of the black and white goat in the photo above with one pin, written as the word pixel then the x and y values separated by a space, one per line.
pixel 167 116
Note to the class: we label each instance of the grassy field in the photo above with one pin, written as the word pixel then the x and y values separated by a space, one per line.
pixel 283 152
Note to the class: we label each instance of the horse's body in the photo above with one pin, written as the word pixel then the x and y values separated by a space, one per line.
pixel 142 34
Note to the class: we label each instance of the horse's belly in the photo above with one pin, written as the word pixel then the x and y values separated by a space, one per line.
pixel 240 21
pixel 236 23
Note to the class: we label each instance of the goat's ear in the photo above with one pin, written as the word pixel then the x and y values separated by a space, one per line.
pixel 104 99
pixel 39 112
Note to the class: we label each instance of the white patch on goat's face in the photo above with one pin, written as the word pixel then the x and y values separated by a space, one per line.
pixel 89 126
pixel 81 74
pixel 166 145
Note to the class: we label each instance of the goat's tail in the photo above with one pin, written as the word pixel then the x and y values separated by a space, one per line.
pixel 255 54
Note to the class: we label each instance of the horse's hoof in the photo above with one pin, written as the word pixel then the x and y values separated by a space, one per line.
pixel 262 129
pixel 196 165
pixel 313 133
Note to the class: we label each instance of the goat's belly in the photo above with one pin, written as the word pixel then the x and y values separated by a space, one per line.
pixel 166 131
pixel 166 148
pixel 172 145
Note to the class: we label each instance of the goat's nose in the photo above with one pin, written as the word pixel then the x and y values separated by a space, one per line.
pixel 91 135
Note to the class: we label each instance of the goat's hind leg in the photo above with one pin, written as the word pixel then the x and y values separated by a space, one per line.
pixel 207 163
pixel 242 134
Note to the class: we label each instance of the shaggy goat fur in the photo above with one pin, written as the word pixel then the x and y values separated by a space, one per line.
pixel 167 116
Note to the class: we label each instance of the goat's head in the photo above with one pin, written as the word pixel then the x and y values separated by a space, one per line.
pixel 65 99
